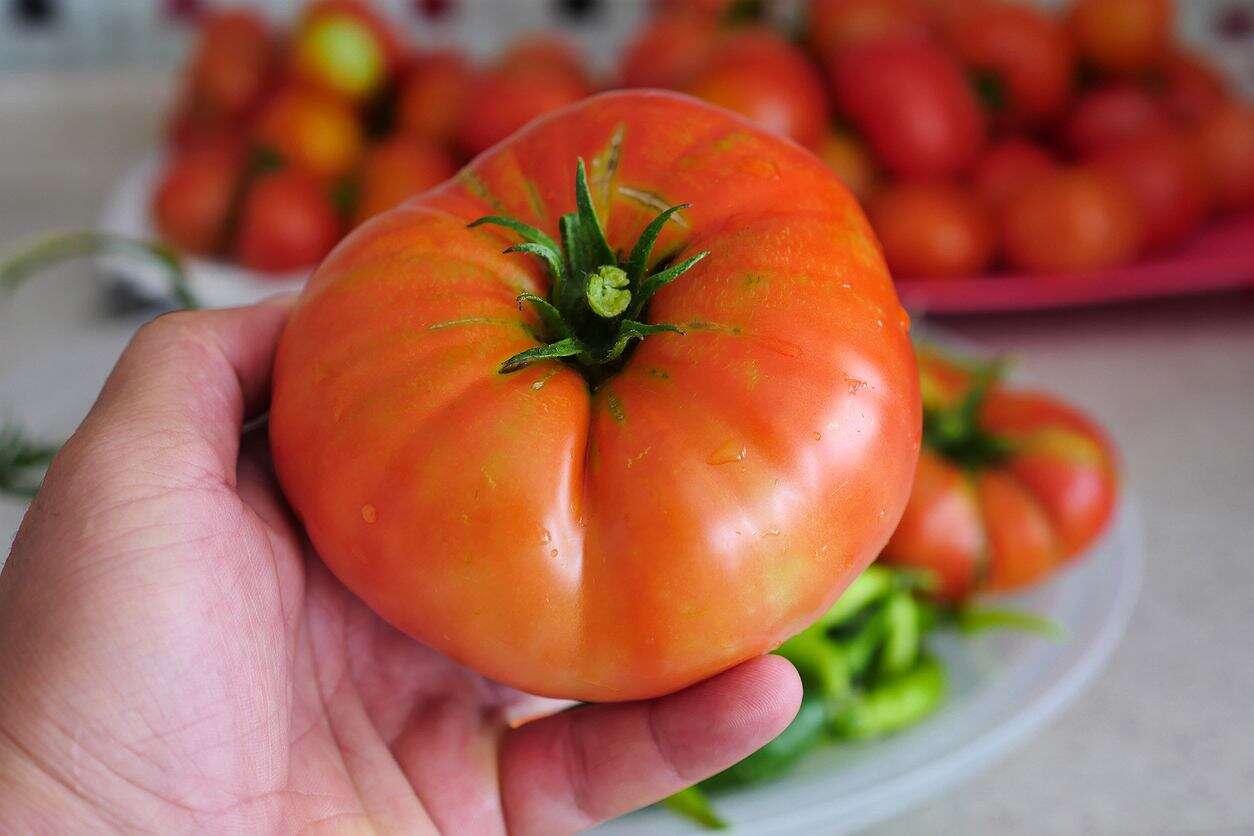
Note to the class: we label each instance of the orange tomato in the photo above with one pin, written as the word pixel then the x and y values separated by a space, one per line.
pixel 1110 115
pixel 1122 36
pixel 848 156
pixel 194 196
pixel 397 169
pixel 311 130
pixel 1073 219
pixel 761 76
pixel 1225 140
pixel 344 47
pixel 933 230
pixel 1011 485
pixel 1008 166
pixel 832 25
pixel 433 95
pixel 706 497
pixel 287 221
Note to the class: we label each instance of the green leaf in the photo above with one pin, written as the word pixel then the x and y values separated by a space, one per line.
pixel 693 803
pixel 638 261
pixel 568 347
pixel 549 315
pixel 657 281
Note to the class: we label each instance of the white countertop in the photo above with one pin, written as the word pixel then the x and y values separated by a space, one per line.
pixel 1162 742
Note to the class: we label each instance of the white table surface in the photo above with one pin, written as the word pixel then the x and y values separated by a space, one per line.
pixel 1162 743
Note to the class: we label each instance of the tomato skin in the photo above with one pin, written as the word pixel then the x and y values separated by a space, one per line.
pixel 398 168
pixel 832 25
pixel 761 76
pixel 345 48
pixel 312 131
pixel 1074 219
pixel 500 102
pixel 667 51
pixel 287 221
pixel 933 230
pixel 433 96
pixel 1225 141
pixel 706 502
pixel 1122 36
pixel 1007 167
pixel 194 195
pixel 1163 170
pixel 1111 115
pixel 231 66
pixel 1027 53
pixel 851 160
pixel 1191 87
pixel 544 49
pixel 912 103
pixel 1012 523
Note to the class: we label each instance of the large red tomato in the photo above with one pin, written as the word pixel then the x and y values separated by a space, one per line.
pixel 615 530
pixel 1109 115
pixel 667 50
pixel 398 168
pixel 1164 172
pixel 500 102
pixel 1010 486
pixel 760 75
pixel 1073 219
pixel 287 221
pixel 832 25
pixel 1225 140
pixel 933 230
pixel 1023 59
pixel 193 199
pixel 911 101
pixel 432 97
pixel 1122 36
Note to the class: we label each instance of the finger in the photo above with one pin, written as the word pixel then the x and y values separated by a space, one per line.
pixel 572 770
pixel 184 386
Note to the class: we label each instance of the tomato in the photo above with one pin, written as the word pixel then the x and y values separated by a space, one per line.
pixel 1225 140
pixel 432 97
pixel 1023 58
pixel 1010 486
pixel 833 25
pixel 848 156
pixel 766 79
pixel 312 131
pixel 1074 219
pixel 500 102
pixel 933 230
pixel 679 510
pixel 912 102
pixel 667 50
pixel 287 221
pixel 1110 115
pixel 545 49
pixel 398 168
pixel 1163 170
pixel 1190 86
pixel 193 198
pixel 1008 166
pixel 345 48
pixel 1122 36
pixel 231 65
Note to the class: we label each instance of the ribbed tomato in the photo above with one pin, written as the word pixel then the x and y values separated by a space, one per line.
pixel 615 525
pixel 1011 484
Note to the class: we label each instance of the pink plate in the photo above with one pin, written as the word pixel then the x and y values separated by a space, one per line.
pixel 1219 258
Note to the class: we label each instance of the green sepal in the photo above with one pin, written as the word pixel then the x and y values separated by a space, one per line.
pixel 529 233
pixel 597 248
pixel 550 257
pixel 568 347
pixel 554 325
pixel 638 261
pixel 629 330
pixel 657 281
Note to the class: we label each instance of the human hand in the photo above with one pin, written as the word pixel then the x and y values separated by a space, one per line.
pixel 174 657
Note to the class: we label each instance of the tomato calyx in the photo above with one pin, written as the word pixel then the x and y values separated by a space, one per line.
pixel 596 299
pixel 955 431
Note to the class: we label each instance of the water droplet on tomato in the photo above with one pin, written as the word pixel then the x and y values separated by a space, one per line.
pixel 818 436
pixel 369 513
pixel 545 536
pixel 771 532
pixel 552 552
pixel 730 451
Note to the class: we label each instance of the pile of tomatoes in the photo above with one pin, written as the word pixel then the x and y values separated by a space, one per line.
pixel 982 133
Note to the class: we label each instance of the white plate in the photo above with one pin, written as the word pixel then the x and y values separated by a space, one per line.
pixel 216 284
pixel 1003 688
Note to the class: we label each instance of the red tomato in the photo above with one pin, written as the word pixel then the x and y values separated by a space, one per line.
pixel 833 25
pixel 193 198
pixel 344 47
pixel 1191 87
pixel 1225 140
pixel 706 498
pixel 1110 115
pixel 848 156
pixel 545 49
pixel 1023 58
pixel 499 103
pixel 766 79
pixel 933 230
pixel 1007 167
pixel 1163 170
pixel 1122 36
pixel 1003 497
pixel 231 65
pixel 398 168
pixel 431 99
pixel 667 50
pixel 287 222
pixel 1072 220
pixel 912 102
pixel 311 130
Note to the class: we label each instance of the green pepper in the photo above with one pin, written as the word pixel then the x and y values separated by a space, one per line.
pixel 820 663
pixel 860 648
pixel 901 634
pixel 894 703
pixel 693 803
pixel 866 589
pixel 804 733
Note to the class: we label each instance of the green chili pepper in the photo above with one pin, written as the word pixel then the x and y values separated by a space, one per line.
pixel 804 733
pixel 894 704
pixel 866 589
pixel 693 803
pixel 860 648
pixel 979 619
pixel 820 663
pixel 901 634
